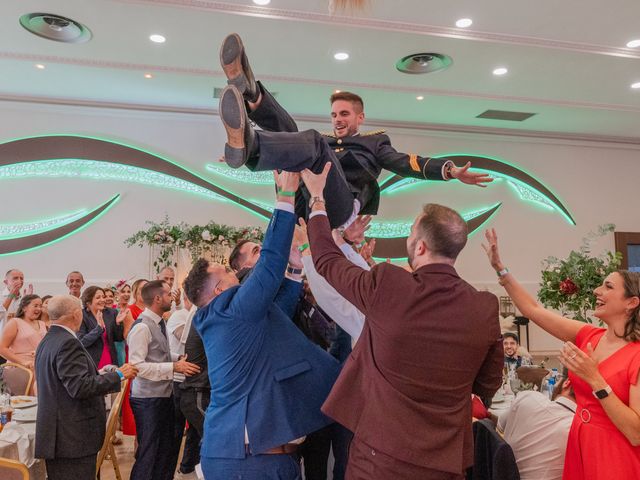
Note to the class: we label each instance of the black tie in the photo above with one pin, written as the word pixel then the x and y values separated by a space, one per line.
pixel 163 328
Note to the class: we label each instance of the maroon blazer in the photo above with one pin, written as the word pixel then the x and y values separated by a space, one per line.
pixel 429 340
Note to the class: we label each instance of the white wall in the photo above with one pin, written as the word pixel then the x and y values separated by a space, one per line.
pixel 597 182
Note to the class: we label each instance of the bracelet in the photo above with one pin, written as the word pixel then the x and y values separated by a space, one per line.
pixel 294 271
pixel 315 200
pixel 284 193
pixel 120 374
pixel 12 296
pixel 502 272
pixel 303 247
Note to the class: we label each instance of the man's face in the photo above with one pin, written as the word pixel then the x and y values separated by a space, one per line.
pixel 226 277
pixel 510 346
pixel 345 119
pixel 15 278
pixel 250 251
pixel 75 283
pixel 165 298
pixel 167 275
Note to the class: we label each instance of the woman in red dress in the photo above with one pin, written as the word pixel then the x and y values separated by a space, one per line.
pixel 136 308
pixel 603 363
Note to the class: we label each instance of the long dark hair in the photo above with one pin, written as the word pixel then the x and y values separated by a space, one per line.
pixel 631 289
pixel 24 303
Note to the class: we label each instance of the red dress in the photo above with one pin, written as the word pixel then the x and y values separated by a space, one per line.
pixel 128 421
pixel 596 449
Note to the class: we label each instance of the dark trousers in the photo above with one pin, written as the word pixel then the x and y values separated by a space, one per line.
pixel 252 467
pixel 156 456
pixel 191 452
pixel 281 147
pixel 193 404
pixel 81 468
pixel 315 452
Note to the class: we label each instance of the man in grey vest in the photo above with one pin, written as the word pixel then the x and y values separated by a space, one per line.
pixel 151 392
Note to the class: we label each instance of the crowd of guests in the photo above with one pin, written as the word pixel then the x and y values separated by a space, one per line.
pixel 300 347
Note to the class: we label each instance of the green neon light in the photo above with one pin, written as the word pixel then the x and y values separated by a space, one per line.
pixel 241 174
pixel 98 170
pixel 113 201
pixel 17 230
pixel 403 229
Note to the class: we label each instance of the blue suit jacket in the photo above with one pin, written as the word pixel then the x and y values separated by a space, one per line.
pixel 264 372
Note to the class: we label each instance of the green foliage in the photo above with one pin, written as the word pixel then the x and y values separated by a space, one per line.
pixel 567 285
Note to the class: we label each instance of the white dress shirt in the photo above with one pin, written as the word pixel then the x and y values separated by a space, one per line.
pixel 341 311
pixel 138 341
pixel 537 430
pixel 13 308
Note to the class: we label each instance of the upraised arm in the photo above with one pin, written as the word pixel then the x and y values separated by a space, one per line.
pixel 560 327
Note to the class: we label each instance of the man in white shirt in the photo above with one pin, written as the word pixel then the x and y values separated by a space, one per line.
pixel 168 275
pixel 537 429
pixel 75 282
pixel 151 392
pixel 10 297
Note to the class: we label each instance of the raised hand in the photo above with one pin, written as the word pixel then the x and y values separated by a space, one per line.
pixel 366 252
pixel 299 239
pixel 492 249
pixel 176 295
pixel 582 364
pixel 99 318
pixel 355 232
pixel 315 182
pixel 471 178
pixel 122 314
pixel 287 181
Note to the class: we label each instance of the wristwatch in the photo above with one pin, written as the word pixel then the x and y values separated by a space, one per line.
pixel 294 271
pixel 313 201
pixel 604 393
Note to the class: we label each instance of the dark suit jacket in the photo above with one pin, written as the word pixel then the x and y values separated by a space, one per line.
pixel 429 340
pixel 265 375
pixel 90 333
pixel 71 415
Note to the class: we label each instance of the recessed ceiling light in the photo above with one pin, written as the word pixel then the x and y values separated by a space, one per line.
pixel 156 38
pixel 39 66
pixel 464 23
pixel 500 71
pixel 337 91
pixel 148 75
pixel 341 56
pixel 419 97
pixel 634 43
pixel 262 2
pixel 635 85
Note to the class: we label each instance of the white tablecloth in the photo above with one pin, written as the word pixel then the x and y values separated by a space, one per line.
pixel 17 442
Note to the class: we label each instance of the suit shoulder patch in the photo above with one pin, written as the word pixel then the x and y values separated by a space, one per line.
pixel 374 132
pixel 328 134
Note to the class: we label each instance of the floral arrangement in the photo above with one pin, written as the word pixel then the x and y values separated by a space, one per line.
pixel 198 239
pixel 567 285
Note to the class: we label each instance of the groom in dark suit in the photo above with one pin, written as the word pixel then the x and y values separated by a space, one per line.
pixel 71 413
pixel 268 380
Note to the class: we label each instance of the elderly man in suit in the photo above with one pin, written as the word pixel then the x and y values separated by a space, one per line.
pixel 71 413
pixel 358 159
pixel 429 340
pixel 268 380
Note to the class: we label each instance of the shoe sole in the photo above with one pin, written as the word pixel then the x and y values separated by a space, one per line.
pixel 231 54
pixel 233 118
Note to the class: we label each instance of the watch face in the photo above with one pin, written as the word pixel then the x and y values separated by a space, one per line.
pixel 601 394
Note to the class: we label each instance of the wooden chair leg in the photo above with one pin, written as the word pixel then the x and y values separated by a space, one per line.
pixel 114 461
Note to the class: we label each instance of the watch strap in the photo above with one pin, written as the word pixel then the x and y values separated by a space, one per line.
pixel 294 271
pixel 602 393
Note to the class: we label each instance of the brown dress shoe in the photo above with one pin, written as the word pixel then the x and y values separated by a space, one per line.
pixel 240 134
pixel 235 65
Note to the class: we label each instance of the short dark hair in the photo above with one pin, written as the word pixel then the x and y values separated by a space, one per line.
pixel 88 294
pixel 356 100
pixel 443 230
pixel 151 290
pixel 511 335
pixel 195 285
pixel 235 260
pixel 24 303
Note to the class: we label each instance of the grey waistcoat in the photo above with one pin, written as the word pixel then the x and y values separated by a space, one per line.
pixel 158 352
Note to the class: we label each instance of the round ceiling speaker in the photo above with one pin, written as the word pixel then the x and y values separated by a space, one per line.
pixel 418 63
pixel 55 27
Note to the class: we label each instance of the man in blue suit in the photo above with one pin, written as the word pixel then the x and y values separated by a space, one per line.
pixel 268 380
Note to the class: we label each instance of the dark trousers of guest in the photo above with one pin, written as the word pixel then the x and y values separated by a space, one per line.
pixel 156 456
pixel 191 452
pixel 81 468
pixel 367 463
pixel 315 452
pixel 252 467
pixel 193 404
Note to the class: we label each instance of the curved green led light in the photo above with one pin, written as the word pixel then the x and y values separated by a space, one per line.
pixel 16 230
pixel 242 175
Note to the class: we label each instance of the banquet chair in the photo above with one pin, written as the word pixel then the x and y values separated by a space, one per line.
pixel 17 378
pixel 108 452
pixel 493 457
pixel 13 470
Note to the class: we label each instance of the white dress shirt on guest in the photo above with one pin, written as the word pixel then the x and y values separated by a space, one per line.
pixel 138 340
pixel 13 308
pixel 537 430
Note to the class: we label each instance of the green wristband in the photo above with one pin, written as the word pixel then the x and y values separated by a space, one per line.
pixel 303 247
pixel 286 194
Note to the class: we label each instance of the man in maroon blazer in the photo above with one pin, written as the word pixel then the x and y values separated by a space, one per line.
pixel 429 340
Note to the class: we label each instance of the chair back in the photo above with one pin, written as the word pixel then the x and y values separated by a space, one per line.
pixel 13 470
pixel 17 378
pixel 112 422
pixel 493 458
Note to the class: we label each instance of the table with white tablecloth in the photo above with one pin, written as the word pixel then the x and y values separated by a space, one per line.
pixel 17 442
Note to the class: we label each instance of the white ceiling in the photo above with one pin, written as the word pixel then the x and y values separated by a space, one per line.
pixel 567 60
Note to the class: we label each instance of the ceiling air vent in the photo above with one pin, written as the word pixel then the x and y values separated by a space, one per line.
pixel 505 115
pixel 418 63
pixel 55 27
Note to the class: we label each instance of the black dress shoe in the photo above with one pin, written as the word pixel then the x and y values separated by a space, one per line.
pixel 240 134
pixel 235 65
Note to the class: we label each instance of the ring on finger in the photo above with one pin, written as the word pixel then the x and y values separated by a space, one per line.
pixel 573 356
